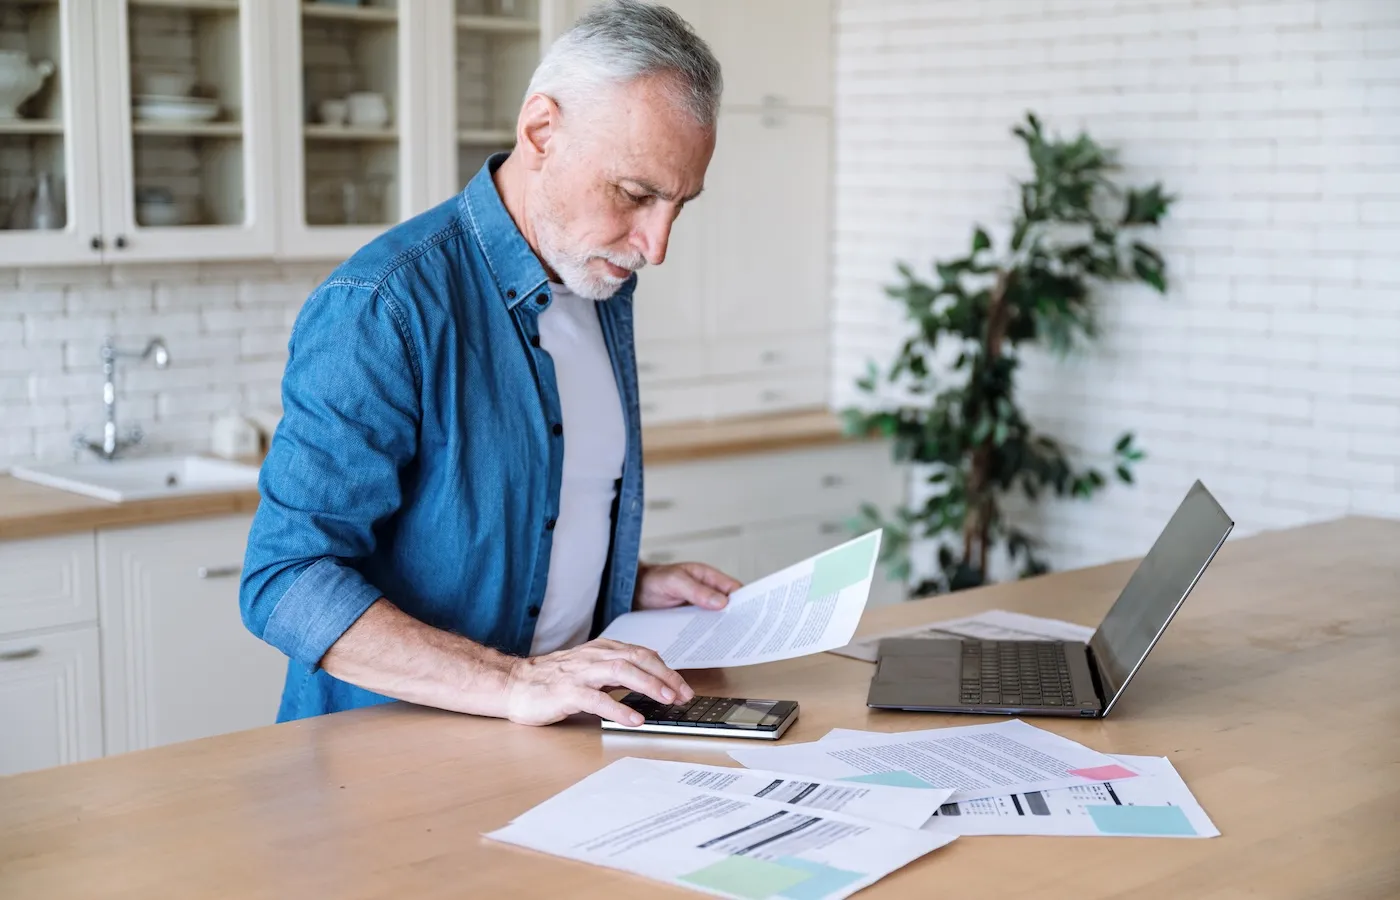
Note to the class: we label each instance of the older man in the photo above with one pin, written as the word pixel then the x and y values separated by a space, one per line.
pixel 452 503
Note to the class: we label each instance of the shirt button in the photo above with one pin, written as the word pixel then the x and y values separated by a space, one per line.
pixel 534 340
pixel 549 526
pixel 541 299
pixel 558 430
pixel 534 612
pixel 510 294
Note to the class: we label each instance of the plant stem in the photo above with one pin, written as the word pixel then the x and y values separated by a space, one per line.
pixel 981 507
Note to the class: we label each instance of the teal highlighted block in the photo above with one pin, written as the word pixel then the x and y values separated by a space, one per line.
pixel 838 569
pixel 1141 820
pixel 892 778
pixel 823 880
pixel 754 879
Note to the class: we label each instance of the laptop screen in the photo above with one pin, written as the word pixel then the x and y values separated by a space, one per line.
pixel 1157 588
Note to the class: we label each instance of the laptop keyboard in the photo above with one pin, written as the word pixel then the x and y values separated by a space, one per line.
pixel 1015 673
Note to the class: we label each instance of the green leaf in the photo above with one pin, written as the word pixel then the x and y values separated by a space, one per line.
pixel 980 240
pixel 1124 442
pixel 1125 474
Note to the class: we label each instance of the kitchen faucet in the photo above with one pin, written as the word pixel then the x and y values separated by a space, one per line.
pixel 111 445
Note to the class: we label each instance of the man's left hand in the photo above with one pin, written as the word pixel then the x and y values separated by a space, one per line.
pixel 662 587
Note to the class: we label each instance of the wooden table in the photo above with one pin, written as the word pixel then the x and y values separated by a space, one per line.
pixel 1276 694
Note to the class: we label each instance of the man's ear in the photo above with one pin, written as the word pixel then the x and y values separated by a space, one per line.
pixel 535 129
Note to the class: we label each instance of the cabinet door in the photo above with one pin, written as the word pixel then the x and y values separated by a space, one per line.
pixel 177 662
pixel 771 51
pixel 186 116
pixel 351 111
pixel 50 211
pixel 777 546
pixel 50 702
pixel 769 223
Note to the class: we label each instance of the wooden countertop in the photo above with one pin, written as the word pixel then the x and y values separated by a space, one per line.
pixel 1273 693
pixel 29 510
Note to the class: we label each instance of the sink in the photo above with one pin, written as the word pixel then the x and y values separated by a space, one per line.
pixel 143 478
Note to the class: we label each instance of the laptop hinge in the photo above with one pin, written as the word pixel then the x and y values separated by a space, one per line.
pixel 1094 674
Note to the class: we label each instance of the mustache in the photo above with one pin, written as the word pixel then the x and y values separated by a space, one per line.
pixel 631 262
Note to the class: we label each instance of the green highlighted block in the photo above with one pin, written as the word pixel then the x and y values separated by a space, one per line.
pixel 838 569
pixel 824 881
pixel 892 778
pixel 1147 820
pixel 756 879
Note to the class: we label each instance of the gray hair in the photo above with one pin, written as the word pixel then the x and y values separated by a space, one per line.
pixel 622 40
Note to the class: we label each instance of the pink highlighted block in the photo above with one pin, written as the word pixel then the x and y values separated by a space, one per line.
pixel 1104 773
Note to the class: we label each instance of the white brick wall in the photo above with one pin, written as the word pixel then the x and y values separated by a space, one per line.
pixel 1272 369
pixel 226 327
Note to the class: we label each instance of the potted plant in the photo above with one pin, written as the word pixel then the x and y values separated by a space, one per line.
pixel 955 416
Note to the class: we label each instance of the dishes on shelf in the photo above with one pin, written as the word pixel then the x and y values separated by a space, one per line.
pixel 156 208
pixel 174 108
pixel 20 79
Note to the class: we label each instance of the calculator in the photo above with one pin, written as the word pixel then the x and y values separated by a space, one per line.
pixel 763 720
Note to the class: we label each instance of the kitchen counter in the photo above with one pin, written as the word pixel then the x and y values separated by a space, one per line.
pixel 1272 693
pixel 30 510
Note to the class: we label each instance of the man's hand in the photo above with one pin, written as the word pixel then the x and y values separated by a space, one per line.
pixel 545 689
pixel 662 587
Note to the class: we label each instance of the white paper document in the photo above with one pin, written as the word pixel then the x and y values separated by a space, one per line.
pixel 975 760
pixel 907 807
pixel 721 844
pixel 993 625
pixel 1157 803
pixel 806 608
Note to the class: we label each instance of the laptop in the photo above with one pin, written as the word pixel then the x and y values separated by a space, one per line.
pixel 1059 678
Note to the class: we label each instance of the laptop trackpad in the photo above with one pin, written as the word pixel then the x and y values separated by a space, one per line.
pixel 917 672
pixel 921 667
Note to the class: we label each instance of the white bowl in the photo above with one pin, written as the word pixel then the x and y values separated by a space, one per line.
pixel 168 84
pixel 158 215
pixel 159 108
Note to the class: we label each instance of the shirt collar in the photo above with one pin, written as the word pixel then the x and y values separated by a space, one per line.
pixel 513 265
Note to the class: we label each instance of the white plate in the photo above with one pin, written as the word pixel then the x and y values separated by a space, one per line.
pixel 171 112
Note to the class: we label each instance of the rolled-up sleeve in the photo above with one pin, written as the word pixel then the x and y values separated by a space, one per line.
pixel 351 407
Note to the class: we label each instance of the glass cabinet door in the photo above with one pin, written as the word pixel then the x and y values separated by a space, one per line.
pixel 187 128
pixel 49 211
pixel 498 45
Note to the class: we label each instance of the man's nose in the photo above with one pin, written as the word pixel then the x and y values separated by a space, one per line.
pixel 652 236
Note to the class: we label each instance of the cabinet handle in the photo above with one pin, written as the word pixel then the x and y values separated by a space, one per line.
pixel 646 367
pixel 219 571
pixel 95 243
pixel 663 556
pixel 771 396
pixel 660 504
pixel 830 528
pixel 770 356
pixel 120 242
pixel 832 481
pixel 16 655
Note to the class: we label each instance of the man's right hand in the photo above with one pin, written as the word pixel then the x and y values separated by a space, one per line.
pixel 545 689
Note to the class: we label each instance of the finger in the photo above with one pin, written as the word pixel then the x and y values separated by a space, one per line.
pixel 600 704
pixel 650 661
pixel 709 575
pixel 684 584
pixel 621 672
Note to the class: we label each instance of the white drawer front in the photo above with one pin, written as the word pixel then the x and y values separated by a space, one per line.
pixel 726 551
pixel 770 394
pixel 744 356
pixel 47 582
pixel 669 361
pixel 768 487
pixel 50 700
pixel 674 403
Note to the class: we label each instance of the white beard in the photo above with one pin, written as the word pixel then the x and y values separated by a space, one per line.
pixel 572 267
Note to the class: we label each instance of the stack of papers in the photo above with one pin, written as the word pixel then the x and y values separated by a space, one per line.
pixel 992 625
pixel 821 820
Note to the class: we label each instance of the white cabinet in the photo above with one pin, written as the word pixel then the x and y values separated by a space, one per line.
pixel 752 515
pixel 177 661
pixel 50 702
pixel 153 135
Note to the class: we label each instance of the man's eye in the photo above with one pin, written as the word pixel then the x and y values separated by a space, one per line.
pixel 638 199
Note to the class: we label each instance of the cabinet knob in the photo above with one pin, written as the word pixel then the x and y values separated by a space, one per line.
pixel 95 243
pixel 16 655
pixel 219 571
pixel 120 242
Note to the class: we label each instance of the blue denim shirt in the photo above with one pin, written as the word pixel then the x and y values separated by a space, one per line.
pixel 416 458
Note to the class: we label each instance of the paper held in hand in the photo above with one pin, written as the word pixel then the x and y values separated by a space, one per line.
pixel 806 608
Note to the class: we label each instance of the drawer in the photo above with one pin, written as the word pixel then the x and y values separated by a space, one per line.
pixel 47 582
pixel 745 356
pixel 674 403
pixel 770 394
pixel 769 487
pixel 725 550
pixel 670 361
